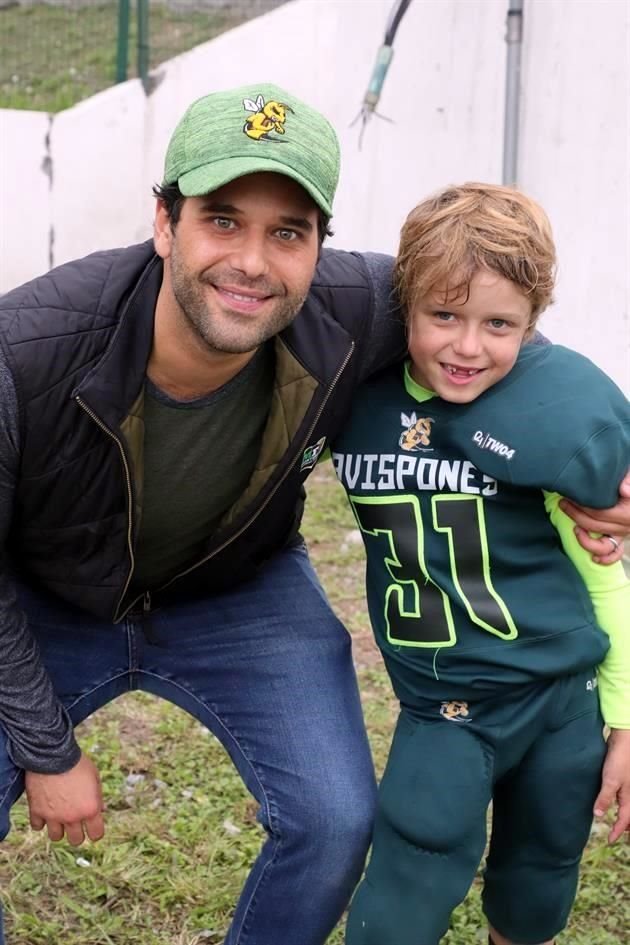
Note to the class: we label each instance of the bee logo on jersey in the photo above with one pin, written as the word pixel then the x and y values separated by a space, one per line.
pixel 416 435
pixel 312 454
pixel 455 711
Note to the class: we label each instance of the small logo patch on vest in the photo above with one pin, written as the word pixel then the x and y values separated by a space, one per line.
pixel 312 454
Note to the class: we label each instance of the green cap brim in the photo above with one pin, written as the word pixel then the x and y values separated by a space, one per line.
pixel 203 180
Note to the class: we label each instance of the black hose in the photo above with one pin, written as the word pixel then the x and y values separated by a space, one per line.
pixel 394 21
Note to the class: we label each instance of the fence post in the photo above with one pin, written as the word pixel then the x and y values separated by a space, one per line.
pixel 143 40
pixel 122 47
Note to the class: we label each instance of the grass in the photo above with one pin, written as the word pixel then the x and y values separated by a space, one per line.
pixel 53 57
pixel 182 831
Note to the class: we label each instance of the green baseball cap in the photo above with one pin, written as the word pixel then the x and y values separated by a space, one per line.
pixel 254 128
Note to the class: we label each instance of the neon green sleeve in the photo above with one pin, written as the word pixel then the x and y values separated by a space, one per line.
pixel 609 589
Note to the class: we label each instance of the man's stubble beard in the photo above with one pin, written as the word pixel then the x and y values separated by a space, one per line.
pixel 219 331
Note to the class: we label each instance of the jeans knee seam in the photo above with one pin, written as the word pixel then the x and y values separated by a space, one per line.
pixel 9 786
pixel 89 692
pixel 225 728
pixel 270 814
pixel 244 929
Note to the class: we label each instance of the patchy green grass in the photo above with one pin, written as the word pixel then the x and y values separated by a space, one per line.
pixel 53 57
pixel 181 830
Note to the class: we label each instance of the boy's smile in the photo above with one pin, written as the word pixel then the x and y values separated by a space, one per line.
pixel 460 345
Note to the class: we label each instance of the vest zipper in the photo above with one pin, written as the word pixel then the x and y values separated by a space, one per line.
pixel 118 443
pixel 260 508
pixel 147 627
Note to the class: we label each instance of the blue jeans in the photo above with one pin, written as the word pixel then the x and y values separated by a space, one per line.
pixel 267 668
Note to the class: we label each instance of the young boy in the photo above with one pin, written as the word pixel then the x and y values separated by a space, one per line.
pixel 495 626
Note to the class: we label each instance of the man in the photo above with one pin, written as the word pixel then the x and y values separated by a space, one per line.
pixel 161 407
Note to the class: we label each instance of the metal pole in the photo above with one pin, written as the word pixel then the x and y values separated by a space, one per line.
pixel 122 46
pixel 514 40
pixel 143 40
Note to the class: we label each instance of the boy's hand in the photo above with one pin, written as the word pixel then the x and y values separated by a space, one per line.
pixel 71 802
pixel 616 782
pixel 613 522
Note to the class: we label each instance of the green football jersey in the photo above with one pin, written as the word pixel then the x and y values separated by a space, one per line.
pixel 469 589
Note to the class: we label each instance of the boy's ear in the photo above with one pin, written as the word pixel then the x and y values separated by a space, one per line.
pixel 531 328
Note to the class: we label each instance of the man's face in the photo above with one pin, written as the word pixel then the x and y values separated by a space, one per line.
pixel 240 261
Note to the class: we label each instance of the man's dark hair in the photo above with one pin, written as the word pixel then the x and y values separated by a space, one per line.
pixel 173 199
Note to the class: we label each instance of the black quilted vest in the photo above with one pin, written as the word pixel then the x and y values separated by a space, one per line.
pixel 77 341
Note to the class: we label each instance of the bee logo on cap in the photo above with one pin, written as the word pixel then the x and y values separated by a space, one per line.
pixel 267 117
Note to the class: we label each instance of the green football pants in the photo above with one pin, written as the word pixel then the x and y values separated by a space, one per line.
pixel 538 757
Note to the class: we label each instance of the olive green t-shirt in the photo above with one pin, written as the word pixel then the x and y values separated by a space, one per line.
pixel 198 458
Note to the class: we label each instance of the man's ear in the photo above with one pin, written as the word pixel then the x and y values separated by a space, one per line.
pixel 162 231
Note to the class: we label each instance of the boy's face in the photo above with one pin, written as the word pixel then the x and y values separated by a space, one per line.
pixel 462 347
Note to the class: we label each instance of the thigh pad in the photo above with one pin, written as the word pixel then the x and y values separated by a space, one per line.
pixel 437 785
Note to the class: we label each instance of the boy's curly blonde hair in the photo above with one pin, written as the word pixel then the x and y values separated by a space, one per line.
pixel 448 237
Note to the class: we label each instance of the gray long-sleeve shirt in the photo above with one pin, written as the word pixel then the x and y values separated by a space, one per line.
pixel 40 732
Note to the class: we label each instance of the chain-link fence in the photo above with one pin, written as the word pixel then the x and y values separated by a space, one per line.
pixel 53 53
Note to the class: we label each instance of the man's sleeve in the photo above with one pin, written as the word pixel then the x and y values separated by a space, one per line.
pixel 609 589
pixel 593 473
pixel 40 733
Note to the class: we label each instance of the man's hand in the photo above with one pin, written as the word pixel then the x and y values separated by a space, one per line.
pixel 71 802
pixel 616 782
pixel 614 522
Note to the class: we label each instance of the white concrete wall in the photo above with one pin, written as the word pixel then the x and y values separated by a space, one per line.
pixel 575 159
pixel 444 94
pixel 25 196
pixel 98 165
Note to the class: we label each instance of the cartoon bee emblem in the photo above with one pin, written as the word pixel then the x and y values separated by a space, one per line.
pixel 267 117
pixel 455 711
pixel 417 433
